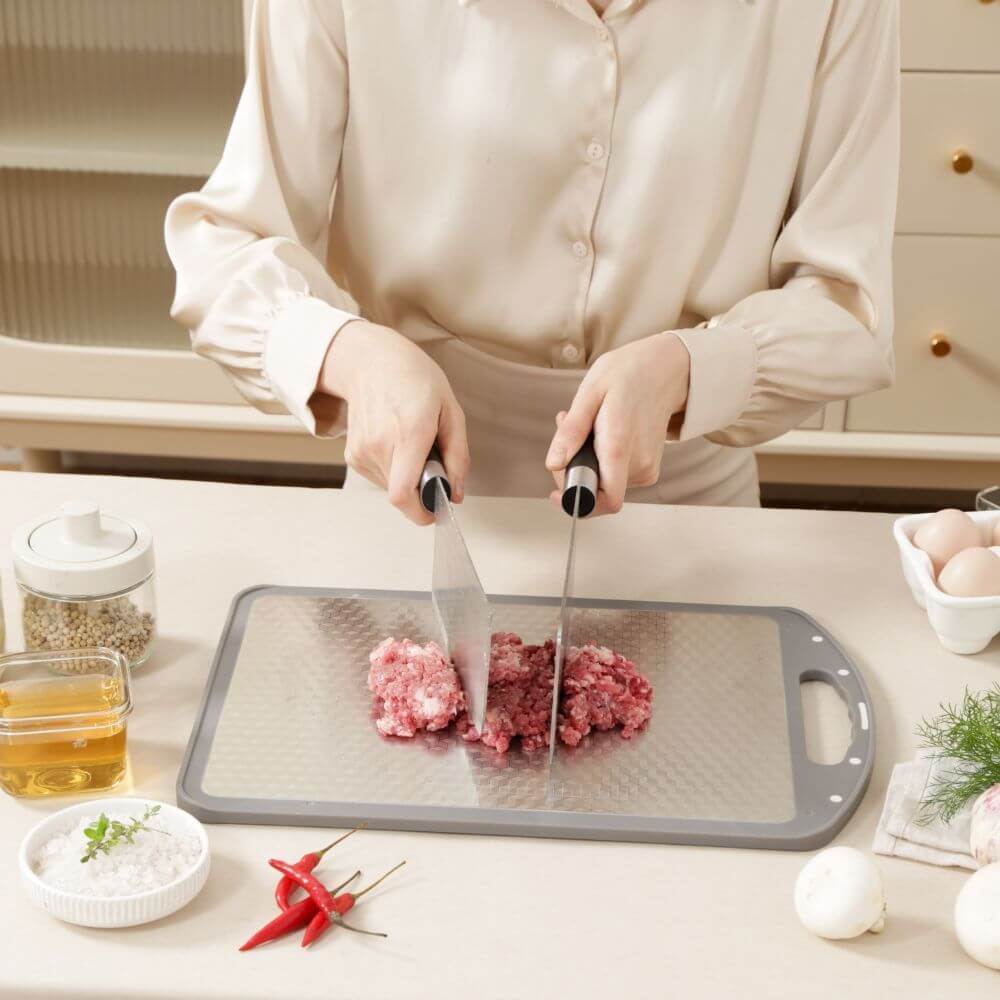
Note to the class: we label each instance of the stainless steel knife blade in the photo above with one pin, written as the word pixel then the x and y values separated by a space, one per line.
pixel 579 499
pixel 460 603
pixel 562 629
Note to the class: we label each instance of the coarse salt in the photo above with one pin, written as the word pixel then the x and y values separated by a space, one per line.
pixel 157 857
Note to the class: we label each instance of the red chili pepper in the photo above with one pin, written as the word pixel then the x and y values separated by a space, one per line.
pixel 305 864
pixel 344 902
pixel 297 915
pixel 319 893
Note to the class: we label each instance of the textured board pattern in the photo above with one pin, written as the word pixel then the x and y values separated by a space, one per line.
pixel 297 720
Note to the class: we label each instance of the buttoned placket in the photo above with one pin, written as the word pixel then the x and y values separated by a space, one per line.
pixel 590 171
pixel 594 152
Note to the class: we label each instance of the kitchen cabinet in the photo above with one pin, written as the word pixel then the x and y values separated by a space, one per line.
pixel 947 347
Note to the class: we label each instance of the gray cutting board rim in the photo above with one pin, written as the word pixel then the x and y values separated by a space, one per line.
pixel 825 795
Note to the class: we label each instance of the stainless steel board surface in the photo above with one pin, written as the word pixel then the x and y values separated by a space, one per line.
pixel 286 731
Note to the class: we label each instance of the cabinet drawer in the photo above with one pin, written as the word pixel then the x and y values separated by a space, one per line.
pixel 947 286
pixel 944 114
pixel 950 34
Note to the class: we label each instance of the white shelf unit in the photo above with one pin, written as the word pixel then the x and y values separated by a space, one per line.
pixel 127 86
pixel 82 260
pixel 110 109
pixel 120 104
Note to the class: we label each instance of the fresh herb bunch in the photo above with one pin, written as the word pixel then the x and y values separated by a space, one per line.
pixel 969 734
pixel 104 834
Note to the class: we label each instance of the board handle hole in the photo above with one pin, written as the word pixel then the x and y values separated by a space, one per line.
pixel 826 722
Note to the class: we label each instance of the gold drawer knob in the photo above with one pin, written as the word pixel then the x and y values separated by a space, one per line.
pixel 962 162
pixel 940 345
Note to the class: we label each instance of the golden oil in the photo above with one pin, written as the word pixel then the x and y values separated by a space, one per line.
pixel 61 734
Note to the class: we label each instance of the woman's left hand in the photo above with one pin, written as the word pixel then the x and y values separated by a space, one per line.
pixel 627 398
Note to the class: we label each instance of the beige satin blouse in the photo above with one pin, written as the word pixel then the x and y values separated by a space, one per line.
pixel 546 184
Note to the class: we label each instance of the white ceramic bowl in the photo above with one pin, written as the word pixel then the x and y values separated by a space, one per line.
pixel 116 911
pixel 962 624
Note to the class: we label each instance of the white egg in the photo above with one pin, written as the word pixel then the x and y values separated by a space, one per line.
pixel 839 894
pixel 946 533
pixel 971 573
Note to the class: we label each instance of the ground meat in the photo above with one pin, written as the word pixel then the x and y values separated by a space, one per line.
pixel 519 702
pixel 601 690
pixel 419 689
pixel 415 687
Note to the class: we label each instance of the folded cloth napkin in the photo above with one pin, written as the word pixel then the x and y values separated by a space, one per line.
pixel 900 834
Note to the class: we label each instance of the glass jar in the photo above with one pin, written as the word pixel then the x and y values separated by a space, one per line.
pixel 63 721
pixel 84 580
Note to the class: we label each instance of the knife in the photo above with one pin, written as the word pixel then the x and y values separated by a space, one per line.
pixel 579 498
pixel 460 603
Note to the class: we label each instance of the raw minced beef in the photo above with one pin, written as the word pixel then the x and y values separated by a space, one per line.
pixel 415 687
pixel 519 701
pixel 600 690
pixel 418 688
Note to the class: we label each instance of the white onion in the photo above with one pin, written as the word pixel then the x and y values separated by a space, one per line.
pixel 977 916
pixel 839 894
pixel 984 834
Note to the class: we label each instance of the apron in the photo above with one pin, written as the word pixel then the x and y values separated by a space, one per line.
pixel 510 411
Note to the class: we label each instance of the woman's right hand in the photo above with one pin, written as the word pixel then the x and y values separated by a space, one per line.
pixel 399 403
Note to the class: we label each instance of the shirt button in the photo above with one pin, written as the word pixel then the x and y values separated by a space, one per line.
pixel 595 151
pixel 602 34
pixel 580 248
pixel 570 353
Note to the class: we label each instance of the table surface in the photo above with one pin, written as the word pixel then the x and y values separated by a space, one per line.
pixel 491 916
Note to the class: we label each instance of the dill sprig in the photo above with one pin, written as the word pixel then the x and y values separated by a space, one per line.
pixel 104 834
pixel 968 734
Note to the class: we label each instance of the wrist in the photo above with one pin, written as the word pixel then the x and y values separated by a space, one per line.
pixel 340 362
pixel 676 365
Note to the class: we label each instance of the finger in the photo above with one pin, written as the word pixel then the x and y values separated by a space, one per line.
pixel 612 445
pixel 408 460
pixel 605 505
pixel 575 426
pixel 454 445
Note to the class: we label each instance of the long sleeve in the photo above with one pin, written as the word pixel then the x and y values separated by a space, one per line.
pixel 823 331
pixel 249 247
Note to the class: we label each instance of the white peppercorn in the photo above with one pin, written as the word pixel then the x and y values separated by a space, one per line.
pixel 115 623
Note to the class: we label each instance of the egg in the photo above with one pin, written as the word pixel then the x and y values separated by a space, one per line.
pixel 946 533
pixel 972 573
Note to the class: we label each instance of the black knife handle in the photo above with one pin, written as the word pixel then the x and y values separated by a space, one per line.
pixel 433 471
pixel 583 475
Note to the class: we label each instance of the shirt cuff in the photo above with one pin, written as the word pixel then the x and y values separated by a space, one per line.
pixel 723 369
pixel 295 351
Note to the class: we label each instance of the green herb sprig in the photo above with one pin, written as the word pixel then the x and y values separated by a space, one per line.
pixel 969 734
pixel 105 834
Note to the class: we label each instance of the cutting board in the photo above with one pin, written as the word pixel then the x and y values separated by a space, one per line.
pixel 285 731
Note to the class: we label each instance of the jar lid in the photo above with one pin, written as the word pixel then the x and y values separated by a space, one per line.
pixel 43 693
pixel 80 552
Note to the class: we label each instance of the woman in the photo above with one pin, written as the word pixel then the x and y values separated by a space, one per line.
pixel 666 221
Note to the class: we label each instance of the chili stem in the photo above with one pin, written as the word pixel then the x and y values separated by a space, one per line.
pixel 379 880
pixel 346 883
pixel 357 930
pixel 320 854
